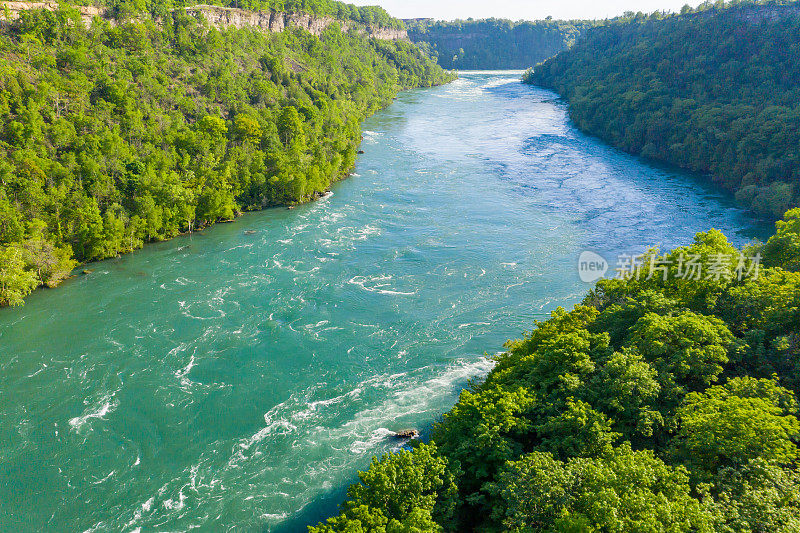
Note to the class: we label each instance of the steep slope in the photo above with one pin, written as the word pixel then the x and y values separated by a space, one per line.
pixel 118 135
pixel 717 92
pixel 494 43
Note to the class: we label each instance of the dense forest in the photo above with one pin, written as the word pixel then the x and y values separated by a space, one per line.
pixel 111 137
pixel 715 91
pixel 665 401
pixel 495 43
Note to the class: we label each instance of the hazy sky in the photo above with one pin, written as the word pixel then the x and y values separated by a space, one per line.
pixel 521 9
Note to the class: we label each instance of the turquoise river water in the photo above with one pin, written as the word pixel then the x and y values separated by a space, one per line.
pixel 235 381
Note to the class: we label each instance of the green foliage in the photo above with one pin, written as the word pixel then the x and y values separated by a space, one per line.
pixel 755 497
pixel 495 43
pixel 783 249
pixel 623 490
pixel 670 281
pixel 482 432
pixel 398 493
pixel 730 425
pixel 50 264
pixel 113 137
pixel 15 281
pixel 556 358
pixel 627 388
pixel 578 431
pixel 660 404
pixel 715 92
pixel 212 126
pixel 686 348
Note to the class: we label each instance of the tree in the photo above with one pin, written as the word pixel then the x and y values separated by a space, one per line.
pixel 627 388
pixel 679 89
pixel 732 424
pixel 11 229
pixel 130 132
pixel 579 431
pixel 623 490
pixel 557 357
pixel 248 129
pixel 532 447
pixel 213 126
pixel 15 281
pixel 479 432
pixel 397 494
pixel 216 202
pixel 89 231
pixel 50 264
pixel 496 44
pixel 688 347
pixel 783 249
pixel 755 497
pixel 290 129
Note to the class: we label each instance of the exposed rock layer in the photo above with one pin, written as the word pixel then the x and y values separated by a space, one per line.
pixel 223 17
pixel 15 8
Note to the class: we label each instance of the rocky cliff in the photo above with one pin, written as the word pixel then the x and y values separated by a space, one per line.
pixel 223 17
pixel 88 13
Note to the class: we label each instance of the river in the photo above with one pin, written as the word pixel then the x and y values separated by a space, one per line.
pixel 238 380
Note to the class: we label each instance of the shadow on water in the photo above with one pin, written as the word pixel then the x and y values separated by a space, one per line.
pixel 327 505
pixel 322 508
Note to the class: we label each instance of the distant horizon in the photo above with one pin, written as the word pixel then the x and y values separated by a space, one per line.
pixel 521 9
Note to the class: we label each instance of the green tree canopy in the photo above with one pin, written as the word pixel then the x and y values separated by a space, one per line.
pixel 624 490
pixel 732 424
pixel 783 248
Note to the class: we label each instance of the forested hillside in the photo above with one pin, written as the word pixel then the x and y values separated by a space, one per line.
pixel 666 401
pixel 111 137
pixel 495 43
pixel 717 91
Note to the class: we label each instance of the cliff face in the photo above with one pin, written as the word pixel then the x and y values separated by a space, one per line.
pixel 223 17
pixel 15 8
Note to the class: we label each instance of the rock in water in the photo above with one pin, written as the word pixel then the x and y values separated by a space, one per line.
pixel 406 434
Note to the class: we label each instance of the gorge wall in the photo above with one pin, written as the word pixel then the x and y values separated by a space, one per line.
pixel 9 11
pixel 223 17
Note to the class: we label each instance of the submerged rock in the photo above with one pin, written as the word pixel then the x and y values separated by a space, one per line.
pixel 406 434
pixel 250 232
